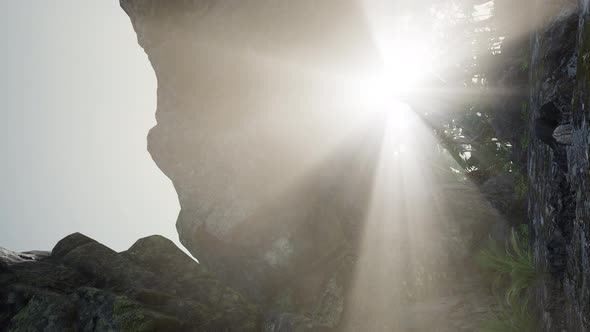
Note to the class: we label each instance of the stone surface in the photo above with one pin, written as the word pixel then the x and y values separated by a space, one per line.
pixel 274 177
pixel 563 134
pixel 274 172
pixel 558 176
pixel 245 91
pixel 499 190
pixel 85 286
pixel 70 243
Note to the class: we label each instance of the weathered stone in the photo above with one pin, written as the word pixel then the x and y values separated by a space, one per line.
pixel 499 190
pixel 153 286
pixel 103 311
pixel 44 311
pixel 160 255
pixel 260 202
pixel 274 175
pixel 558 177
pixel 563 134
pixel 102 264
pixel 69 243
pixel 8 257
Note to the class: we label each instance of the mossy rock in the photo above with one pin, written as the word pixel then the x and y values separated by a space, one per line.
pixel 100 310
pixel 45 311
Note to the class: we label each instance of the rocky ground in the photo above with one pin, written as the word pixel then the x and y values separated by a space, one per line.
pixel 81 285
pixel 84 286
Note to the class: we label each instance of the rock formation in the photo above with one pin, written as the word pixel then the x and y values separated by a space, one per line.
pixel 262 132
pixel 81 285
pixel 253 136
pixel 558 198
pixel 84 286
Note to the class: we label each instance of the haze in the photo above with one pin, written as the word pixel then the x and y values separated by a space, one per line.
pixel 77 98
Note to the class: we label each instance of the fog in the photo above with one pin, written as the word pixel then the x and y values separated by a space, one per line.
pixel 77 98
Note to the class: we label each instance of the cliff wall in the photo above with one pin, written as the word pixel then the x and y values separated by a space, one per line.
pixel 558 172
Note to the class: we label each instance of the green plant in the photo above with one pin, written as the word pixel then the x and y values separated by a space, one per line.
pixel 515 263
pixel 522 232
pixel 515 272
pixel 520 186
pixel 511 315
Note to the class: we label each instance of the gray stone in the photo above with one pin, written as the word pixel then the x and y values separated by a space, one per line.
pixel 273 174
pixel 558 178
pixel 259 203
pixel 563 134
pixel 86 286
pixel 68 243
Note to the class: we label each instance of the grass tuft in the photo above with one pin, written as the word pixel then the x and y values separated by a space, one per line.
pixel 515 273
pixel 512 314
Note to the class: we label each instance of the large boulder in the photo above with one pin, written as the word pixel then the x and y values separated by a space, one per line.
pixel 266 127
pixel 263 133
pixel 85 286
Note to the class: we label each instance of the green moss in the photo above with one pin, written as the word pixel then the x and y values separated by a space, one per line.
pixel 128 315
pixel 520 187
pixel 131 316
pixel 524 65
pixel 44 311
pixel 123 304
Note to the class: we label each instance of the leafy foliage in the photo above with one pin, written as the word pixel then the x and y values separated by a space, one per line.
pixel 470 139
pixel 486 46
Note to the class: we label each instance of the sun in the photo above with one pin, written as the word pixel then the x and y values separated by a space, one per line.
pixel 404 69
pixel 405 65
pixel 406 54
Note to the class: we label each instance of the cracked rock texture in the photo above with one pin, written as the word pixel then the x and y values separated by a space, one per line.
pixel 559 175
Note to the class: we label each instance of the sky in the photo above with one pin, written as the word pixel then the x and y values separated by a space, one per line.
pixel 77 98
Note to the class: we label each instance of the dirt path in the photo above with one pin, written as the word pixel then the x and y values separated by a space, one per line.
pixel 464 310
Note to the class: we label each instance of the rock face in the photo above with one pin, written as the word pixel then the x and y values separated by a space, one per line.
pixel 84 286
pixel 253 137
pixel 558 172
pixel 264 130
